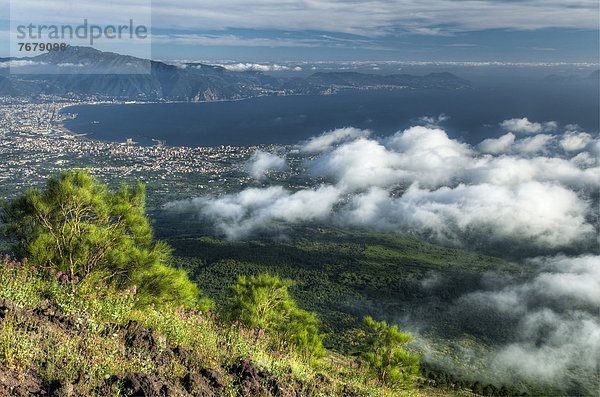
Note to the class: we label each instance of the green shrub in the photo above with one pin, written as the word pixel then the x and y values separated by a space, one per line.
pixel 19 282
pixel 264 302
pixel 383 353
pixel 170 286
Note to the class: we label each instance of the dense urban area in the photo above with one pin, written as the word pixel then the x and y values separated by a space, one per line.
pixel 34 144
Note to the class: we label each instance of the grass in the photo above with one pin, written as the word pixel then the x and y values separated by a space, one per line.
pixel 72 333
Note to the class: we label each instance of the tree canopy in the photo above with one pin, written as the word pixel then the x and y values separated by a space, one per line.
pixel 81 227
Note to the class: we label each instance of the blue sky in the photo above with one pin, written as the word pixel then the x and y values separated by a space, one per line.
pixel 268 30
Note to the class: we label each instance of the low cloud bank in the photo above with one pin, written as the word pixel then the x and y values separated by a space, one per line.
pixel 239 215
pixel 526 192
pixel 556 339
pixel 261 163
pixel 328 139
pixel 500 214
pixel 258 67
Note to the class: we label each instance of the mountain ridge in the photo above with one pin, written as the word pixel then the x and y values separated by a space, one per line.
pixel 88 72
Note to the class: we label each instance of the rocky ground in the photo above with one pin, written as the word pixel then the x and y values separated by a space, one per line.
pixel 205 382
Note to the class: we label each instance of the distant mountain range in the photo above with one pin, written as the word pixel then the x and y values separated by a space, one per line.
pixel 556 78
pixel 87 72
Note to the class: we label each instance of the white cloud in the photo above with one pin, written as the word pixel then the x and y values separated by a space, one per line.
pixel 584 160
pixel 558 330
pixel 257 67
pixel 433 121
pixel 421 181
pixel 569 141
pixel 524 126
pixel 238 215
pixel 534 144
pixel 328 139
pixel 520 213
pixel 225 39
pixel 262 162
pixel 429 155
pixel 15 63
pixel 71 65
pixel 427 141
pixel 424 17
pixel 595 147
pixel 573 141
pixel 570 341
pixel 421 17
pixel 564 277
pixel 497 145
pixel 361 163
pixel 417 153
pixel 558 278
pixel 511 170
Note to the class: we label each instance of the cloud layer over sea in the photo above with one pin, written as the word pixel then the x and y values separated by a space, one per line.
pixel 535 187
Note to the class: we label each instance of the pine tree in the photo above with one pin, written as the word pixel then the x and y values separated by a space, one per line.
pixel 383 352
pixel 79 226
pixel 264 302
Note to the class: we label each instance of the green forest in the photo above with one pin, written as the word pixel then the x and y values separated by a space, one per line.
pixel 98 299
